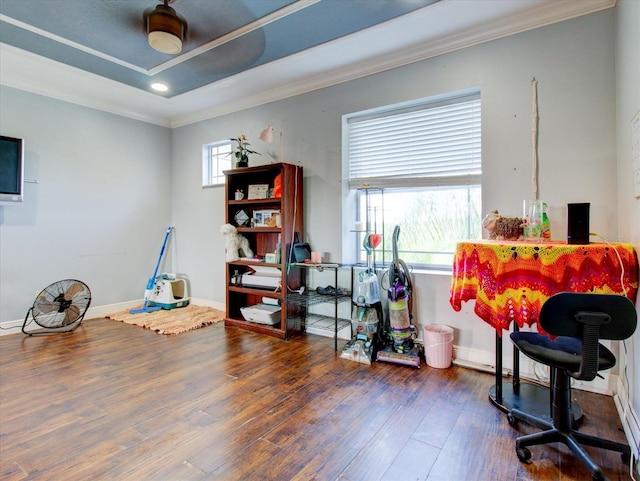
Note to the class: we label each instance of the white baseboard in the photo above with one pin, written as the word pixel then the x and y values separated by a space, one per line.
pixel 206 303
pixel 475 359
pixel 485 361
pixel 629 419
pixel 10 327
pixel 15 327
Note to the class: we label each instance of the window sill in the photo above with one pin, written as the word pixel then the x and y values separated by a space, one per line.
pixel 432 272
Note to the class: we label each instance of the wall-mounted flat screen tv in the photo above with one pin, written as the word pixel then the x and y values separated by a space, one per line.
pixel 11 170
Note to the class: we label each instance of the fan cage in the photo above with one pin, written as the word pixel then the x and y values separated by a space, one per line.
pixel 59 307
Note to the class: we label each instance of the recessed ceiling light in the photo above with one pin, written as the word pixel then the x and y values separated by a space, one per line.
pixel 159 87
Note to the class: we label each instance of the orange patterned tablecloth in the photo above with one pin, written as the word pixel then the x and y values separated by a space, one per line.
pixel 511 280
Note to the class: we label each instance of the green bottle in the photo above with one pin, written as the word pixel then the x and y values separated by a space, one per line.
pixel 546 225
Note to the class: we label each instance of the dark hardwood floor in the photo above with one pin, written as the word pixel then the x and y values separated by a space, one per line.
pixel 116 402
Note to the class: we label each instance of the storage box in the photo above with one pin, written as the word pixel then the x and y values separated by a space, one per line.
pixel 262 277
pixel 262 314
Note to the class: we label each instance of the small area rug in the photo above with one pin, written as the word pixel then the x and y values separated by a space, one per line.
pixel 172 321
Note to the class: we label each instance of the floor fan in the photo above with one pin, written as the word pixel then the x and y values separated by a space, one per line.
pixel 59 307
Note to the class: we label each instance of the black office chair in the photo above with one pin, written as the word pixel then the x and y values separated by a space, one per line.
pixel 576 322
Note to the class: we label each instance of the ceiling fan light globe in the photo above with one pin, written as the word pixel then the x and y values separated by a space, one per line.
pixel 165 42
pixel 166 30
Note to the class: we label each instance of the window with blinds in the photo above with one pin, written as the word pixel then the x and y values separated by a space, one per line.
pixel 425 159
pixel 428 143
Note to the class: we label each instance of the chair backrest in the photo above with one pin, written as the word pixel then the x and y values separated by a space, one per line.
pixel 589 317
pixel 558 314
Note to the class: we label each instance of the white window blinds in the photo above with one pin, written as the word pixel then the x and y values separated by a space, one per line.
pixel 435 143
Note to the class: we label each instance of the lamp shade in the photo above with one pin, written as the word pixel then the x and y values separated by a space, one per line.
pixel 165 29
pixel 267 134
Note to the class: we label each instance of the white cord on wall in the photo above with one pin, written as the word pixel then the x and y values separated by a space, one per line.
pixel 293 224
pixel 624 289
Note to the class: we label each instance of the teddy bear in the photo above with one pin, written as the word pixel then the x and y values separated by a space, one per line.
pixel 502 228
pixel 235 245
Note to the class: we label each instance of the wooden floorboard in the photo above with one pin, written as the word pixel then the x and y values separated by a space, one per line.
pixel 111 401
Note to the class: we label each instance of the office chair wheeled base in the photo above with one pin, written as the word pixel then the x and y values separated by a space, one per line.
pixel 561 430
pixel 572 440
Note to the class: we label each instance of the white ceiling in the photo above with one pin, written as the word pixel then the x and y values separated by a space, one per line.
pixel 439 28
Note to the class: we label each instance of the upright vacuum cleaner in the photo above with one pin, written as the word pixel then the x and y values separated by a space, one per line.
pixel 366 311
pixel 398 333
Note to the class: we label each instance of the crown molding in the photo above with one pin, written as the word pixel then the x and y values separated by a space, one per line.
pixel 437 29
pixel 33 73
pixel 304 72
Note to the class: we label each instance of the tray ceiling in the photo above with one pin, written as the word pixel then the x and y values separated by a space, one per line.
pixel 239 53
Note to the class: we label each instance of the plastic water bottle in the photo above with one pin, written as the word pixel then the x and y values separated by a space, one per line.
pixel 546 225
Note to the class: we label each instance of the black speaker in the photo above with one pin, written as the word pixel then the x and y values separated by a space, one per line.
pixel 578 223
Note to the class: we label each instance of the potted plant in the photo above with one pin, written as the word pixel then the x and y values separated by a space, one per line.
pixel 242 151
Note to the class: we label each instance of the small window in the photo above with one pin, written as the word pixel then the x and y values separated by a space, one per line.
pixel 216 158
pixel 417 165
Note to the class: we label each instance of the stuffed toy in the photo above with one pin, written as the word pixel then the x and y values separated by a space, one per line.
pixel 235 245
pixel 502 228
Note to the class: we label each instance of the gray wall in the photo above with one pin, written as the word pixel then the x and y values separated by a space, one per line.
pixel 100 206
pixel 628 105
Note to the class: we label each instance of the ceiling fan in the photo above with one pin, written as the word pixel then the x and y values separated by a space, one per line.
pixel 166 30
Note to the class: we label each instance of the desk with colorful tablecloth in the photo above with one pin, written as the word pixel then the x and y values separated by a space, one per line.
pixel 510 280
